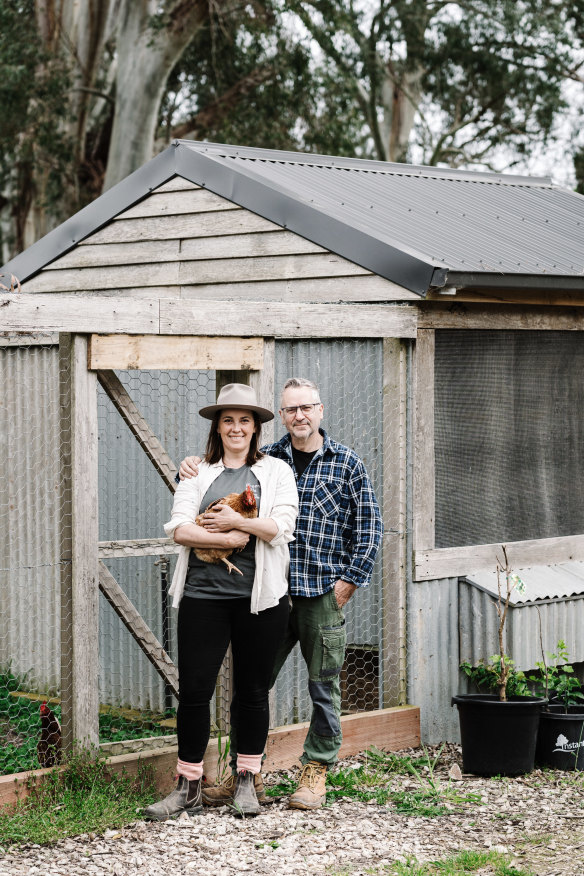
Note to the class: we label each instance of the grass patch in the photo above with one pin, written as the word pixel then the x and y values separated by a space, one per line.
pixel 81 798
pixel 20 726
pixel 282 789
pixel 463 863
pixel 376 780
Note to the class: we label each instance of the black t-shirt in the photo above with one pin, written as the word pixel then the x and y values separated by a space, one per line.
pixel 302 460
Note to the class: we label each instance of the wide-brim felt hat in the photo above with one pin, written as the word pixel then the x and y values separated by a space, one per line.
pixel 238 396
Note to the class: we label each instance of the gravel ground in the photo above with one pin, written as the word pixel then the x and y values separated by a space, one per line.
pixel 538 820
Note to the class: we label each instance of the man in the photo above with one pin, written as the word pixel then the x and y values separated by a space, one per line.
pixel 338 532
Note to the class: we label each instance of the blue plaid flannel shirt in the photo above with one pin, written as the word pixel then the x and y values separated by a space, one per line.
pixel 339 528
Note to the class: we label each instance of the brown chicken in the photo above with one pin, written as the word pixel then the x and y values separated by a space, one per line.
pixel 245 504
pixel 49 745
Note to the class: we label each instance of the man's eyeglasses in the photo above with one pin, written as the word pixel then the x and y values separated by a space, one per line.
pixel 304 409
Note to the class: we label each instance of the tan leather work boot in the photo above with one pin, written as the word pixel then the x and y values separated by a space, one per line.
pixel 311 790
pixel 223 794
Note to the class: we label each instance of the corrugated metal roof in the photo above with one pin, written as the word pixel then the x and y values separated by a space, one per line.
pixel 560 581
pixel 417 226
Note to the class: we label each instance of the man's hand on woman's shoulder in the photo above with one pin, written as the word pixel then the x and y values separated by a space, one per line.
pixel 189 467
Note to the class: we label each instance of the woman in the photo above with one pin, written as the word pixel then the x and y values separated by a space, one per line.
pixel 248 607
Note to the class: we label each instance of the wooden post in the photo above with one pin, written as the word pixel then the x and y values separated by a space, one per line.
pixel 424 476
pixel 79 534
pixel 393 664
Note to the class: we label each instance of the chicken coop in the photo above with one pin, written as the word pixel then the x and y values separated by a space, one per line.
pixel 438 311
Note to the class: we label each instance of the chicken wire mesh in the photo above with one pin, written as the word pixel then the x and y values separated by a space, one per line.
pixel 137 708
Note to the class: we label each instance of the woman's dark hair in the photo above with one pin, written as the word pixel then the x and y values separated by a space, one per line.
pixel 214 449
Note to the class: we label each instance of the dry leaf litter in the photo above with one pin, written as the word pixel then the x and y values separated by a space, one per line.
pixel 538 820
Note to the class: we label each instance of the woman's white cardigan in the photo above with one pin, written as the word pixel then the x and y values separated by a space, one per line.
pixel 279 500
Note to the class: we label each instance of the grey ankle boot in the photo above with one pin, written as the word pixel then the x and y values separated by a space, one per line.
pixel 245 801
pixel 186 797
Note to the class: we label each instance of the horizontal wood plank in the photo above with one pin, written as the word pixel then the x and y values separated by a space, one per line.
pixel 197 249
pixel 171 273
pixel 505 317
pixel 365 287
pixel 285 267
pixel 168 203
pixel 271 243
pixel 155 228
pixel 116 254
pixel 88 280
pixel 137 547
pixel 174 353
pixel 267 319
pixel 451 562
pixel 83 314
pixel 71 313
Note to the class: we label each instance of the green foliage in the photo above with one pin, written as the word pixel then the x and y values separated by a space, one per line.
pixel 375 780
pixel 223 750
pixel 20 726
pixel 487 675
pixel 241 80
pixel 34 99
pixel 556 678
pixel 81 798
pixel 284 788
pixel 471 79
pixel 466 862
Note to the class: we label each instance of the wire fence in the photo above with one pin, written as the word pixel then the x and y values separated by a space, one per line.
pixel 137 707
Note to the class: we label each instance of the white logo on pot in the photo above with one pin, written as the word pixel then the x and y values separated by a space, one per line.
pixel 563 744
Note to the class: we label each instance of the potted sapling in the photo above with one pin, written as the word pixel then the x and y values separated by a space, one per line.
pixel 499 730
pixel 560 738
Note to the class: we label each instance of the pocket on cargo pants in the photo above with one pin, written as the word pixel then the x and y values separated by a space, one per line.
pixel 333 641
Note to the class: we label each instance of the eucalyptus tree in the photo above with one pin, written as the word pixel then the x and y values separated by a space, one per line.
pixel 450 82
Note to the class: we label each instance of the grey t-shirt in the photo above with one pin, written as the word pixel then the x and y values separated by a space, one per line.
pixel 212 580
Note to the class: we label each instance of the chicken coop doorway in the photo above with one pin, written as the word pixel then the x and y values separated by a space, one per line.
pixel 150 390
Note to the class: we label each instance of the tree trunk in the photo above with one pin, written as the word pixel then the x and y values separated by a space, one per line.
pixel 400 105
pixel 146 56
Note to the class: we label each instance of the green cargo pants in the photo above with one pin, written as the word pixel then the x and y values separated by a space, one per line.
pixel 318 624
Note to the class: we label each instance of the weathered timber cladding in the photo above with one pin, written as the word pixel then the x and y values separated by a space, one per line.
pixel 182 238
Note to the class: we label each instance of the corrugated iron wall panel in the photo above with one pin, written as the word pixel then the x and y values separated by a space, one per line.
pixel 29 514
pixel 433 657
pixel 527 627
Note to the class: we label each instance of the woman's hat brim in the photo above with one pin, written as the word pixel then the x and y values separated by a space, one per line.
pixel 263 413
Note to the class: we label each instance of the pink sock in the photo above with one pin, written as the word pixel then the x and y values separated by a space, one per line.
pixel 190 771
pixel 252 763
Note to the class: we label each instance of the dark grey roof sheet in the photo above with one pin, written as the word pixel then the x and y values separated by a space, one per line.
pixel 418 226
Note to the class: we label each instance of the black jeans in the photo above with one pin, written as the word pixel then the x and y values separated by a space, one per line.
pixel 205 628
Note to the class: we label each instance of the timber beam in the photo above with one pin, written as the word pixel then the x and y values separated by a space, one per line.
pixel 83 314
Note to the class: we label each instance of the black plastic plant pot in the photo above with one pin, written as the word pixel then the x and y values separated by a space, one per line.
pixel 560 739
pixel 498 738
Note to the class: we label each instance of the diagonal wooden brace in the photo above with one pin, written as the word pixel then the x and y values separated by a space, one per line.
pixel 139 427
pixel 138 628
